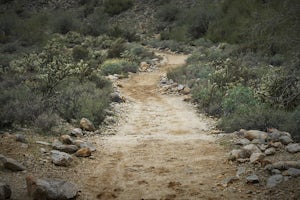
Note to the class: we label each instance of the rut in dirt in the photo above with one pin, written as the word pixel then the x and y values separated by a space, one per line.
pixel 161 150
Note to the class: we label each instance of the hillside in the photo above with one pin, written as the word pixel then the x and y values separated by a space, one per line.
pixel 158 99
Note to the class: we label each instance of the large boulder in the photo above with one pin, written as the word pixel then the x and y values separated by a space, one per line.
pixel 51 189
pixel 285 140
pixel 252 148
pixel 254 134
pixel 61 158
pixel 87 125
pixel 12 164
pixel 293 148
pixel 57 145
pixel 5 191
pixel 66 139
pixel 238 154
pixel 76 132
pixel 84 152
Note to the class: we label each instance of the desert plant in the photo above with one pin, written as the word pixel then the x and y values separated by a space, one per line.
pixel 118 66
pixel 80 53
pixel 114 7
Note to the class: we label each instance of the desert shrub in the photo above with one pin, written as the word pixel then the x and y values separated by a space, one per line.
pixel 136 53
pixel 9 48
pixel 80 53
pixel 127 34
pixel 64 22
pixel 277 60
pixel 168 12
pixel 96 23
pixel 8 23
pixel 202 42
pixel 114 7
pixel 46 121
pixel 118 66
pixel 116 48
pixel 177 33
pixel 173 45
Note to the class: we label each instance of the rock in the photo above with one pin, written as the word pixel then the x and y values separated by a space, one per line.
pixel 186 90
pixel 243 142
pixel 293 148
pixel 277 145
pixel 274 136
pixel 276 171
pixel 66 148
pixel 274 180
pixel 5 191
pixel 76 132
pixel 292 172
pixel 285 140
pixel 116 97
pixel 257 157
pixel 84 152
pixel 180 87
pixel 270 151
pixel 66 139
pixel 42 150
pixel 238 153
pixel 262 147
pixel 187 98
pixel 258 141
pixel 87 145
pixel 43 143
pixel 164 80
pixel 61 158
pixel 252 179
pixel 283 165
pixel 252 148
pixel 229 180
pixel 87 125
pixel 109 120
pixel 51 189
pixel 240 171
pixel 11 164
pixel 21 138
pixel 254 134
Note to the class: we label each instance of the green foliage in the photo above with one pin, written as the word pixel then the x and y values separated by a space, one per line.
pixel 80 53
pixel 168 12
pixel 116 48
pixel 114 7
pixel 46 121
pixel 173 45
pixel 64 22
pixel 118 66
pixel 136 53
pixel 96 23
pixel 127 34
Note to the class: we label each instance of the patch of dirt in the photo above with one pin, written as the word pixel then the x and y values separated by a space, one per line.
pixel 162 149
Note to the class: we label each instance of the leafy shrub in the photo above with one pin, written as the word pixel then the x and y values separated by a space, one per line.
pixel 64 22
pixel 277 60
pixel 127 34
pixel 114 7
pixel 46 121
pixel 80 53
pixel 118 66
pixel 168 12
pixel 170 44
pixel 116 48
pixel 96 23
pixel 136 53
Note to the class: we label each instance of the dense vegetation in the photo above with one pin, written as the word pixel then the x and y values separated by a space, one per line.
pixel 244 66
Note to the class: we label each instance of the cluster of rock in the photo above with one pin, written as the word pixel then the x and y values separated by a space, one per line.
pixel 150 66
pixel 256 147
pixel 168 86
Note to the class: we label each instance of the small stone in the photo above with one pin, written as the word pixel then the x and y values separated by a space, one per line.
pixel 238 153
pixel 258 141
pixel 21 138
pixel 12 164
pixel 252 148
pixel 42 150
pixel 252 179
pixel 84 152
pixel 51 189
pixel 285 140
pixel 67 148
pixel 292 172
pixel 243 142
pixel 76 132
pixel 66 139
pixel 270 151
pixel 256 157
pixel 87 145
pixel 229 180
pixel 276 171
pixel 115 97
pixel 274 180
pixel 180 87
pixel 61 158
pixel 5 191
pixel 277 145
pixel 87 125
pixel 186 91
pixel 282 165
pixel 293 148
pixel 240 171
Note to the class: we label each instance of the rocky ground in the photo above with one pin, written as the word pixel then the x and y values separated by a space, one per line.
pixel 154 146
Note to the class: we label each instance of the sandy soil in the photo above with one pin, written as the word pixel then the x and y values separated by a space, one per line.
pixel 162 149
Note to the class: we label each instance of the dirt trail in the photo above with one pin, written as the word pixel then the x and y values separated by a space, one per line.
pixel 162 150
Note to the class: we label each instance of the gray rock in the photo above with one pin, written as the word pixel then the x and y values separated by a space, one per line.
pixel 87 125
pixel 180 87
pixel 293 148
pixel 276 171
pixel 61 158
pixel 252 179
pixel 258 141
pixel 57 145
pixel 238 153
pixel 76 132
pixel 262 147
pixel 51 189
pixel 292 172
pixel 240 171
pixel 277 145
pixel 283 165
pixel 229 180
pixel 285 140
pixel 43 150
pixel 257 157
pixel 12 164
pixel 274 180
pixel 116 97
pixel 21 138
pixel 5 191
pixel 243 142
pixel 270 151
pixel 274 136
pixel 164 80
pixel 252 148
pixel 87 145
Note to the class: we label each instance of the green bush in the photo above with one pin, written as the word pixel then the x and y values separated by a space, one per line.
pixel 168 12
pixel 114 7
pixel 64 22
pixel 118 66
pixel 96 23
pixel 80 53
pixel 127 34
pixel 116 48
pixel 46 121
pixel 136 53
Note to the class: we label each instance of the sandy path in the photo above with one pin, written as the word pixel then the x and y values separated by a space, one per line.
pixel 162 150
